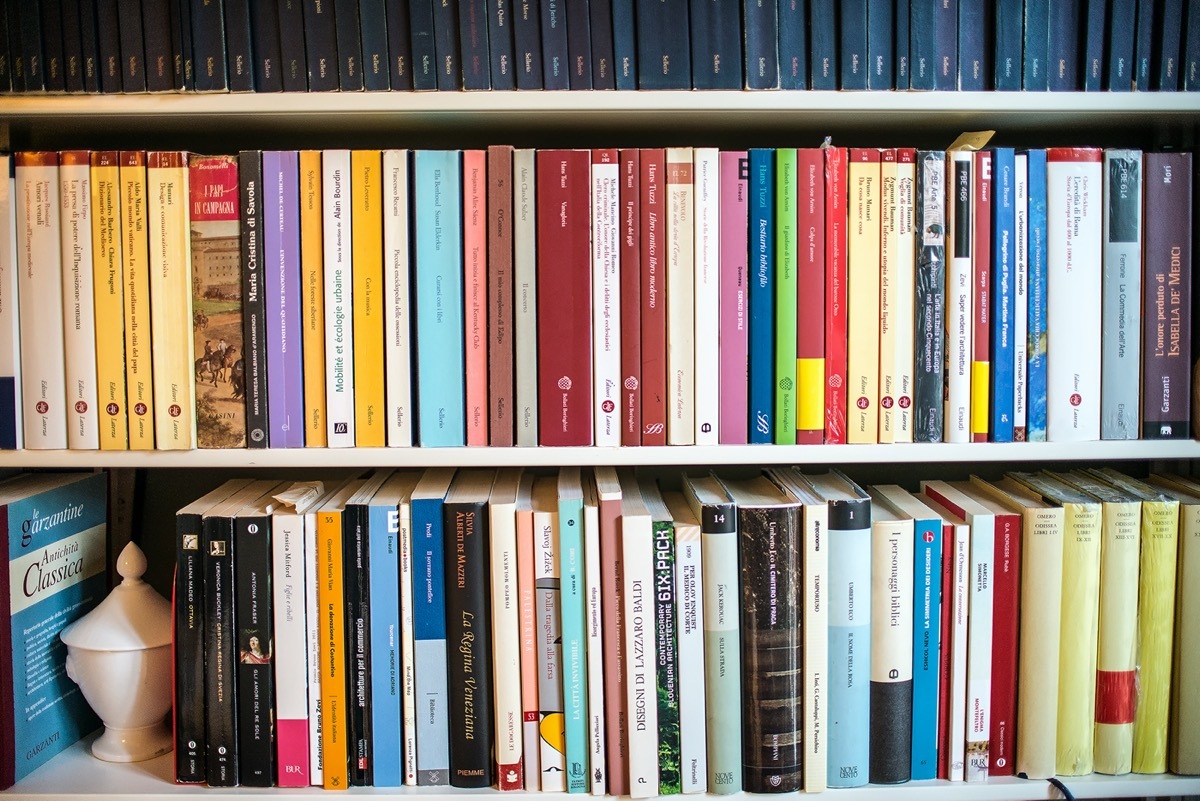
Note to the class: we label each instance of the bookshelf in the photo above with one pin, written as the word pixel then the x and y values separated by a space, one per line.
pixel 226 123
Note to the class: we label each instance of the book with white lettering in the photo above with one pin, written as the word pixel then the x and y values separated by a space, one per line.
pixel 689 614
pixel 339 326
pixel 1121 356
pixel 1020 295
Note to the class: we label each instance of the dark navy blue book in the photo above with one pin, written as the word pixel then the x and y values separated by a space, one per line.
pixel 5 86
pixel 239 49
pixel 625 44
pixel 1168 46
pixel 1120 64
pixel 1036 69
pixel 974 36
pixel 881 46
pixel 903 43
pixel 72 49
pixel 922 52
pixel 133 50
pixel 445 44
pixel 579 44
pixel 264 28
pixel 717 44
pixel 793 44
pixel 349 45
pixel 527 43
pixel 473 44
pixel 601 20
pixel 424 69
pixel 1191 49
pixel 945 44
pixel 761 376
pixel 555 74
pixel 500 44
pixel 1143 45
pixel 293 62
pixel 761 20
pixel 399 36
pixel 852 32
pixel 181 33
pixel 377 76
pixel 156 39
pixel 1095 19
pixel 1064 46
pixel 16 47
pixel 108 44
pixel 52 46
pixel 663 40
pixel 1010 35
pixel 823 26
pixel 1004 326
pixel 320 45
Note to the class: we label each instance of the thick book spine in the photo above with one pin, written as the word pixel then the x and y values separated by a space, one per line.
pixel 527 43
pixel 1063 57
pixel 761 369
pixel 7 53
pixel 1008 57
pixel 979 647
pixel 157 40
pixel 264 27
pixel 366 297
pixel 849 643
pixel 640 645
pixel 320 45
pixel 722 652
pixel 1183 755
pixel 1003 236
pixel 238 47
pixel 974 45
pixel 681 293
pixel 891 695
pixel 135 250
pixel 1167 286
pixel 862 369
pixel 108 307
pixel 889 314
pixel 611 567
pixel 824 48
pixel 624 45
pixel 399 43
pixel 569 551
pixel 922 57
pixel 1006 609
pixel 312 280
pixel 349 45
pixel 793 44
pixel 579 44
pixel 1020 295
pixel 1190 59
pixel 760 20
pixel 189 644
pixel 1157 611
pixel 356 588
pixel 903 44
pixel 653 311
pixel 816 646
pixel 500 44
pixel 835 295
pixel 606 297
pixel 981 268
pixel 706 190
pixel 716 45
pixel 786 282
pixel 75 196
pixel 1036 340
pixel 689 618
pixel 424 54
pixel 1120 361
pixel 852 45
pixel 958 299
pixel 90 44
pixel 555 72
pixel 667 654
pixel 338 280
pixel 288 584
pixel 810 300
pixel 473 44
pixel 372 20
pixel 12 431
pixel 927 615
pixel 397 314
pixel 1075 737
pixel 133 51
pixel 525 358
pixel 293 63
pixel 1094 22
pixel 254 640
pixel 663 50
pixel 1166 52
pixel 945 48
pixel 281 288
pixel 500 294
pixel 734 331
pixel 220 654
pixel 1122 29
pixel 901 394
pixel 30 68
pixel 629 233
pixel 108 46
pixel 253 302
pixel 332 600
pixel 881 44
pixel 429 631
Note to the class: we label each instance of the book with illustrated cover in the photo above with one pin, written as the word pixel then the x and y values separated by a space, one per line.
pixel 689 592
pixel 929 357
pixel 666 634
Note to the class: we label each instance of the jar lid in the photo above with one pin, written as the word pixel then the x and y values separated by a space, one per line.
pixel 132 617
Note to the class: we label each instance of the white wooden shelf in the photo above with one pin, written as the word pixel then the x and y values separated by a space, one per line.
pixel 75 773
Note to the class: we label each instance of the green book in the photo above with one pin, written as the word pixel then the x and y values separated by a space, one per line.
pixel 786 265
pixel 670 779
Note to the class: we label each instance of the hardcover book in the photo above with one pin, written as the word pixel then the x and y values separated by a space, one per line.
pixel 761 33
pixel 473 41
pixel 372 20
pixel 624 45
pixel 264 29
pixel 527 44
pixel 293 62
pixel 320 45
pixel 579 44
pixel 793 44
pixel 500 44
pixel 716 45
pixel 348 33
pixel 555 70
pixel 423 54
pixel 238 48
pixel 663 52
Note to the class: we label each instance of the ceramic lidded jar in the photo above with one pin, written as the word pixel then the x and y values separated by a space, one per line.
pixel 120 656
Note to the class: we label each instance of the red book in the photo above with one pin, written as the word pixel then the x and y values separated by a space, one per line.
pixel 1006 605
pixel 946 654
pixel 810 298
pixel 564 286
pixel 500 295
pixel 630 251
pixel 654 299
pixel 981 263
pixel 475 278
pixel 835 295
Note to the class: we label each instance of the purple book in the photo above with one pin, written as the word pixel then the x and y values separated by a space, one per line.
pixel 281 290
pixel 735 306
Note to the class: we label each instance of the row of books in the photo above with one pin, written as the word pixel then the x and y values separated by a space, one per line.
pixel 608 297
pixel 354 45
pixel 592 632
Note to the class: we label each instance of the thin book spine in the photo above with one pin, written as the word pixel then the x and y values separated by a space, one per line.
pixel 606 297
pixel 11 428
pixel 135 250
pixel 220 653
pixel 429 628
pixel 255 643
pixel 569 551
pixel 281 292
pixel 762 296
pixel 397 291
pixel 500 292
pixel 958 299
pixel 1035 426
pixel 366 301
pixel 735 253
pixel 835 295
pixel 981 267
pixel 1020 296
pixel 548 593
pixel 810 300
pixel 1002 295
pixel 253 301
pixel 930 359
pixel 653 311
pixel 681 294
pixel 525 304
pixel 597 779
pixel 629 233
pixel 693 716
pixel 1120 382
pixel 505 602
pixel 312 267
pixel 706 195
pixel 667 653
pixel 385 663
pixel 786 282
pixel 475 290
pixel 78 310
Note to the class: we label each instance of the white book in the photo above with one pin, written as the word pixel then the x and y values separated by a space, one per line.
pixel 1074 245
pixel 594 623
pixel 904 297
pixel 10 320
pixel 1121 352
pixel 408 643
pixel 707 194
pixel 637 545
pixel 689 632
pixel 548 591
pixel 606 299
pixel 39 285
pixel 397 345
pixel 506 619
pixel 79 336
pixel 525 285
pixel 959 298
pixel 681 308
pixel 339 325
pixel 1021 296
pixel 313 640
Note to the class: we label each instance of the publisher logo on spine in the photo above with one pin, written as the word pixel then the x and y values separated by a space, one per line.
pixel 1076 399
pixel 631 383
pixel 862 403
pixel 42 407
pixel 113 409
pixel 886 402
pixel 564 383
pixel 81 407
pixel 174 410
pixel 608 406
pixel 139 409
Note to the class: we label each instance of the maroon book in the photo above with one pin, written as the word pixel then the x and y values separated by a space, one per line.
pixel 630 227
pixel 500 295
pixel 654 299
pixel 1167 294
pixel 564 287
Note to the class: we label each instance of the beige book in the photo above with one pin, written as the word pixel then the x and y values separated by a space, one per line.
pixel 862 371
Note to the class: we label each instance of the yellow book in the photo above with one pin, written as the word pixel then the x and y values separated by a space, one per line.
pixel 862 372
pixel 370 418
pixel 331 606
pixel 139 386
pixel 1079 622
pixel 108 277
pixel 312 308
pixel 170 274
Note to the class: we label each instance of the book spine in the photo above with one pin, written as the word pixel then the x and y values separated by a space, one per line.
pixel 500 294
pixel 157 40
pixel 1120 380
pixel 891 693
pixel 356 584
pixel 320 45
pixel 399 45
pixel 527 595
pixel 981 266
pixel 956 698
pixel 959 300
pixel 338 280
pixel 79 339
pixel 386 679
pixel 312 278
pixel 525 358
pixel 606 297
pixel 793 44
pixel 348 35
pixel 527 42
pixel 1037 336
pixel 220 654
pixel 315 645
pixel 1182 750
pixel 862 369
pixel 254 634
pixel 133 53
pixel 376 60
pixel 293 61
pixel 667 655
pixel 1167 283
pixel 1010 32
pixel 624 45
pixel 629 233
pixel 397 322
pixel 1190 59
pixel 547 602
pixel 1169 19
pixel 475 277
pixel 189 643
pixel 786 283
pixel 579 44
pixel 1075 738
pixel 1122 29
pixel 881 44
pixel 761 383
pixel 945 36
pixel 945 657
pixel 979 647
pixel 253 303
pixel 835 295
pixel 573 615
pixel 11 428
pixel 90 44
pixel 288 582
pixel 903 44
pixel 408 727
pixel 889 335
pixel 734 342
pixel 7 53
pixel 923 55
pixel 761 31
pixel 366 245
pixel 423 51
pixel 716 32
pixel 265 40
pixel 611 569
pixel 663 49
pixel 1063 48
pixel 681 298
pixel 238 48
pixel 1005 615
pixel 824 37
pixel 653 310
pixel 904 301
pixel 135 251
pixel 927 615
pixel 506 604
pixel 473 44
pixel 816 646
pixel 555 70
pixel 849 644
pixel 429 633
pixel 722 651
pixel 281 288
pixel 974 29
pixel 1002 333
pixel 29 64
pixel 693 715
pixel 500 44
pixel 641 646
pixel 331 599
pixel 707 252
pixel 597 735
pixel 1094 38
pixel 852 31
pixel 1020 295
pixel 1117 638
pixel 108 46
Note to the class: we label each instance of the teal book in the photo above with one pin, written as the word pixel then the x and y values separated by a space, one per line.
pixel 441 399
pixel 670 779
pixel 573 608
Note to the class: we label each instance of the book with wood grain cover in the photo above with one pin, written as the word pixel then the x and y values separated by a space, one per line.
pixel 654 307
pixel 500 295
pixel 217 302
pixel 564 274
pixel 139 386
pixel 862 367
pixel 312 292
pixel 681 298
pixel 171 299
pixel 108 285
pixel 629 232
pixel 810 297
pixel 475 300
pixel 366 220
pixel 981 267
pixel 835 295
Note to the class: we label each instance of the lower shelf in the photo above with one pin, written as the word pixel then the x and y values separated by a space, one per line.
pixel 76 775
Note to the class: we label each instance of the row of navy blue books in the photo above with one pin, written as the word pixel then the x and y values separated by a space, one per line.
pixel 354 45
pixel 591 631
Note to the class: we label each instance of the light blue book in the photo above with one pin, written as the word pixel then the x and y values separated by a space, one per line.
pixel 1004 238
pixel 1035 424
pixel 762 296
pixel 429 627
pixel 573 606
pixel 441 371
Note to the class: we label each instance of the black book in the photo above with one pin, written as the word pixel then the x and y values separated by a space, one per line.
pixel 320 46
pixel 373 19
pixel 761 21
pixel 108 46
pixel 239 48
pixel 156 41
pixel 72 48
pixel 30 21
pixel 717 45
pixel 625 44
pixel 793 44
pixel 253 304
pixel 663 42
pixel 181 45
pixel 1143 45
pixel 424 53
pixel 446 45
pixel 399 45
pixel 52 46
pixel 1122 29
pixel 190 752
pixel 293 65
pixel 823 44
pixel 5 58
pixel 601 14
pixel 468 628
pixel 349 45
pixel 1168 46
pixel 1095 37
pixel 579 45
pixel 264 25
pixel 90 45
pixel 555 74
pixel 527 43
pixel 133 50
pixel 16 59
pixel 208 45
pixel 500 43
pixel 473 41
pixel 929 226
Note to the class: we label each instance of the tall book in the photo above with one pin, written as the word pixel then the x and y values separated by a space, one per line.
pixel 653 311
pixel 786 283
pixel 981 269
pixel 734 297
pixel 681 298
pixel 254 324
pixel 1020 295
pixel 505 602
pixel 1003 365
pixel 607 340
pixel 548 591
pixel 312 281
pixel 888 316
pixel 11 428
pixel 79 333
pixel 597 735
pixel 899 395
pixel 475 290
pixel 525 305
pixel 716 29
pixel 706 172
pixel 366 297
pixel 1120 381
pixel 338 285
pixel 216 302
pixel 397 288
pixel 500 279
pixel 810 300
pixel 862 371
pixel 929 225
pixel 663 52
pixel 693 755
pixel 612 590
pixel 629 234
pixel 666 632
pixel 408 642
pixel 957 420
pixel 761 296
pixel 530 734
pixel 1037 337
pixel 835 294
pixel 572 608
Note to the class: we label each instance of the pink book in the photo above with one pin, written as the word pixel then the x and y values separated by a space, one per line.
pixel 735 414
pixel 612 573
pixel 530 741
pixel 475 277
pixel 630 228
pixel 810 299
pixel 836 333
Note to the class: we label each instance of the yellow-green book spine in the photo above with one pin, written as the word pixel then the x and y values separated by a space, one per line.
pixel 1155 636
pixel 862 374
pixel 1077 649
pixel 139 385
pixel 312 306
pixel 786 265
pixel 370 423
pixel 109 298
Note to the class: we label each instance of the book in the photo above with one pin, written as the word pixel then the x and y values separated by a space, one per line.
pixel 663 52
pixel 629 235
pixel 760 20
pixel 555 58
pixel 500 287
pixel 613 610
pixel 254 350
pixel 706 193
pixel 348 36
pixel 408 658
pixel 505 601
pixel 810 301
pixel 786 283
pixel 793 44
pixel 1063 50
pixel 265 45
pixel 500 45
pixel 312 282
pixel 374 33
pixel 653 310
pixel 823 37
pixel 530 736
pixel 293 63
pixel 606 286
pixel 75 195
pixel 862 370
pixel 572 609
pixel 959 297
pixel 693 755
pixel 1003 365
pixel 882 18
pixel 761 296
pixel 424 55
pixel 1120 382
pixel 981 266
pixel 594 633
pixel 548 594
pixel 1094 39
pixel 896 397
pixel 1020 295
pixel 365 265
pixel 527 43
pixel 397 289
pixel 338 284
pixel 579 44
pixel 852 50
pixel 952 663
pixel 681 297
pixel 320 45
pixel 733 349
pixel 975 37
pixel 475 293
pixel 525 304
pixel 835 295
pixel 715 29
pixel 1037 339
pixel 63 550
pixel 12 432
pixel 238 47
pixel 929 223
pixel 1009 36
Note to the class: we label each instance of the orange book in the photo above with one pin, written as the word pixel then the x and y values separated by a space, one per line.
pixel 312 308
pixel 366 225
pixel 475 236
pixel 109 298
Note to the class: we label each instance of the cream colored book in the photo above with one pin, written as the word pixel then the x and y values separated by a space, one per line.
pixel 681 300
pixel 139 386
pixel 79 325
pixel 862 372
pixel 904 298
